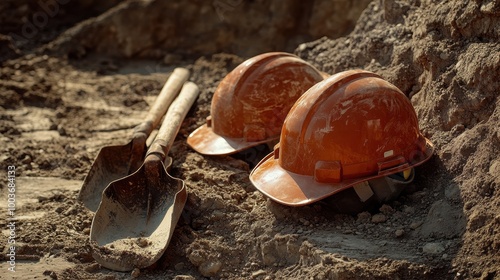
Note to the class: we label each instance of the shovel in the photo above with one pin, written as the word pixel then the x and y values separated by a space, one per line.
pixel 138 214
pixel 114 162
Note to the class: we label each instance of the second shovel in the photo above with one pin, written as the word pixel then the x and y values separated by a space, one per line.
pixel 138 214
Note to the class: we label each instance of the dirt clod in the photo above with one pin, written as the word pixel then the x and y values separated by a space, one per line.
pixel 378 218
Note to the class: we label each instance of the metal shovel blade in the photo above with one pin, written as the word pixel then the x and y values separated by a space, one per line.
pixel 112 163
pixel 138 214
pixel 137 218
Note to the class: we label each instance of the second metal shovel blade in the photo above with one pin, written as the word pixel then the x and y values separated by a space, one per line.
pixel 137 217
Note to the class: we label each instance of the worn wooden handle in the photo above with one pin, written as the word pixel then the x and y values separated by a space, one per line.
pixel 168 93
pixel 173 120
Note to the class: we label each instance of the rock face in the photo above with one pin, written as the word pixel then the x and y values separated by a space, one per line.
pixel 154 28
pixel 30 24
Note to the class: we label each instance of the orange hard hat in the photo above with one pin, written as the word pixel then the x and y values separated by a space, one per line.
pixel 251 103
pixel 350 128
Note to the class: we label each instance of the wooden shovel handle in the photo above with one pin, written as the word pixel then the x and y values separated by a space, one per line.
pixel 168 93
pixel 173 120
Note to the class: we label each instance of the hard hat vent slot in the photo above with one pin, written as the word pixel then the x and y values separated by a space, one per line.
pixel 277 151
pixel 392 166
pixel 328 171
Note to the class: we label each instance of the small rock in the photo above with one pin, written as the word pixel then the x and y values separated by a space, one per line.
pixel 416 225
pixel 71 211
pixel 364 217
pixel 304 221
pixel 400 232
pixel 258 273
pixel 433 248
pixel 142 242
pixel 386 209
pixel 184 277
pixel 378 218
pixel 135 273
pixel 210 268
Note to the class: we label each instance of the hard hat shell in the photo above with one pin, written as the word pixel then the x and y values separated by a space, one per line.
pixel 352 127
pixel 250 104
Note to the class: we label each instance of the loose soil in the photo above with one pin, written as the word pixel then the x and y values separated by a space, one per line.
pixel 60 103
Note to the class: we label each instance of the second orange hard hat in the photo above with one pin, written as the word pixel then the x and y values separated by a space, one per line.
pixel 350 128
pixel 250 104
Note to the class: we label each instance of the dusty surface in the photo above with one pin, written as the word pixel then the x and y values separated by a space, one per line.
pixel 59 108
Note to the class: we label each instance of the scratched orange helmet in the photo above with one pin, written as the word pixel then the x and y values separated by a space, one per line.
pixel 251 103
pixel 348 129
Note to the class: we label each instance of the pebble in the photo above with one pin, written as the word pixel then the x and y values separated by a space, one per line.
pixel 210 268
pixel 378 218
pixel 416 225
pixel 71 211
pixel 386 209
pixel 433 248
pixel 135 273
pixel 184 277
pixel 304 221
pixel 400 232
pixel 258 273
pixel 364 217
pixel 142 242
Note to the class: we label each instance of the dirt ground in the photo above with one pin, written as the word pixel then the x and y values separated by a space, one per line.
pixel 63 99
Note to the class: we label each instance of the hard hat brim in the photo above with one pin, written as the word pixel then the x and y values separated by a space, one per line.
pixel 206 142
pixel 294 189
